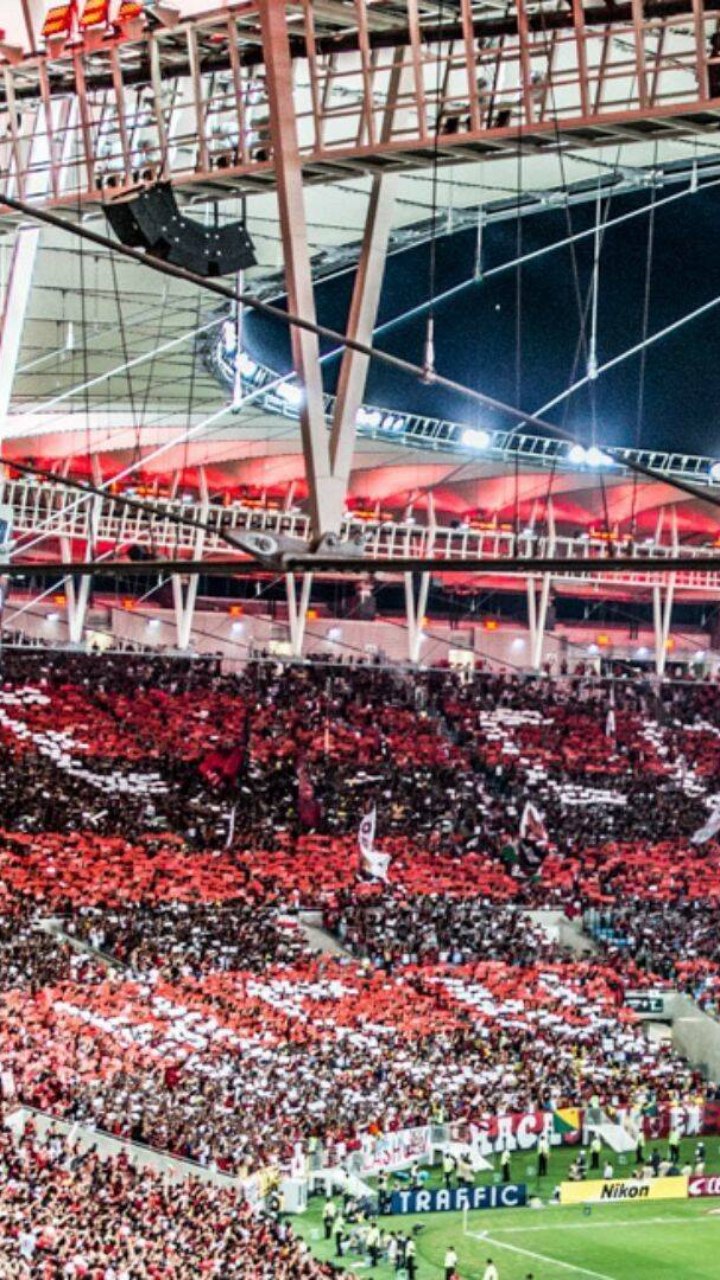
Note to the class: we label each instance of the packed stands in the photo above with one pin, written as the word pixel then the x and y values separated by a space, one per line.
pixel 68 1213
pixel 169 821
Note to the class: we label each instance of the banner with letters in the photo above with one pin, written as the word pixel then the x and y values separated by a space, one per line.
pixel 507 1195
pixel 648 1004
pixel 703 1184
pixel 691 1120
pixel 521 1131
pixel 392 1150
pixel 623 1190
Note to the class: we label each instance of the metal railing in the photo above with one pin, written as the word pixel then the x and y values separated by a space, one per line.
pixel 447 435
pixel 48 511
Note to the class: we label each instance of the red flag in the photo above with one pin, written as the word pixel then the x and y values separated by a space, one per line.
pixel 309 810
pixel 221 767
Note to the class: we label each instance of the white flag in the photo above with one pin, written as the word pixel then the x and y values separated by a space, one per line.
pixel 366 832
pixel 231 826
pixel 373 863
pixel 709 829
pixel 532 825
pixel 376 864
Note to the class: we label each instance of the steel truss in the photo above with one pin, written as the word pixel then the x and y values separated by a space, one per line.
pixel 48 512
pixel 279 95
pixel 190 101
pixel 445 435
pixel 191 539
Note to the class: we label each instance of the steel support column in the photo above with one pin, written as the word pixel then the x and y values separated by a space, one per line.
pixel 415 612
pixel 297 611
pixel 538 608
pixel 326 492
pixel 327 463
pixel 365 300
pixel 15 303
pixel 663 599
pixel 77 594
pixel 185 593
pixel 22 266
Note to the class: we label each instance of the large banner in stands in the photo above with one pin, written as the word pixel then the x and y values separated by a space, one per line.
pixel 648 1004
pixel 623 1189
pixel 393 1150
pixel 700 1184
pixel 507 1195
pixel 522 1131
pixel 690 1121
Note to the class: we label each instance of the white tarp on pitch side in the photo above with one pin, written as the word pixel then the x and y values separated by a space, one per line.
pixel 617 1138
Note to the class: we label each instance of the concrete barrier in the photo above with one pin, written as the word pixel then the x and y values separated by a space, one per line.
pixel 142 1157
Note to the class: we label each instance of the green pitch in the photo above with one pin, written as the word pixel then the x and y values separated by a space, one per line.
pixel 659 1240
pixel 664 1240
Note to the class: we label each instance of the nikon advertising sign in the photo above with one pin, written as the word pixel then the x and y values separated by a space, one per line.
pixel 623 1189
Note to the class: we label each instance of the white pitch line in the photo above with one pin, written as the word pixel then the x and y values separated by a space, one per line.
pixel 541 1257
pixel 601 1222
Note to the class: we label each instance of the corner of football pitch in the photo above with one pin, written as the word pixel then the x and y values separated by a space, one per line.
pixel 676 1240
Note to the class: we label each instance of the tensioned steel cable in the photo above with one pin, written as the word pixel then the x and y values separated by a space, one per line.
pixel 640 420
pixel 323 331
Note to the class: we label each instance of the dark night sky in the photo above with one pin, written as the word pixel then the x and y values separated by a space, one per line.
pixel 475 331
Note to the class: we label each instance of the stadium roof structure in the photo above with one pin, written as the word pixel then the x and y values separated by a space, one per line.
pixel 338 130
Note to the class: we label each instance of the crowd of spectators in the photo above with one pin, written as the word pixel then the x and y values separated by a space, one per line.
pixel 678 941
pixel 180 1004
pixel 234 1069
pixel 448 762
pixel 67 1214
pixel 184 939
pixel 389 927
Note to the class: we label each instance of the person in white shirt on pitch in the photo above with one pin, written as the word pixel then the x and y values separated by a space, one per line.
pixel 451 1259
pixel 491 1271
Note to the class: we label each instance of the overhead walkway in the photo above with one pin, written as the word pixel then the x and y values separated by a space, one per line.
pixel 194 100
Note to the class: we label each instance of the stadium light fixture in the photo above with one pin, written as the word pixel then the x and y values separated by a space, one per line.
pixel 475 438
pixel 368 417
pixel 291 393
pixel 577 454
pixel 247 366
pixel 596 457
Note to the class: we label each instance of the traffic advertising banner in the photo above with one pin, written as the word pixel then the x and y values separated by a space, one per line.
pixel 508 1195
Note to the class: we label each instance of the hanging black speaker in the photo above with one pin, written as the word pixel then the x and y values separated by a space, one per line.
pixel 151 220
